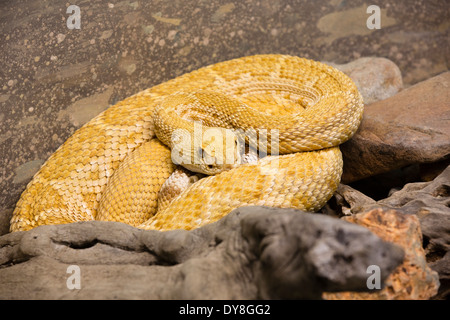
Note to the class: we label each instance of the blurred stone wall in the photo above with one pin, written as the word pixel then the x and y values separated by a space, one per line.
pixel 54 79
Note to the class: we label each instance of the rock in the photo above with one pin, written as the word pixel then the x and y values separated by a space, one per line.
pixel 376 78
pixel 429 201
pixel 5 217
pixel 442 266
pixel 429 171
pixel 413 279
pixel 410 127
pixel 252 253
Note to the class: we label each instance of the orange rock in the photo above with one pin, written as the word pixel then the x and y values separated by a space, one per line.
pixel 413 279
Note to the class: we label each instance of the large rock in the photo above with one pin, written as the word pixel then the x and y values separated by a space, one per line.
pixel 253 253
pixel 410 127
pixel 413 279
pixel 376 78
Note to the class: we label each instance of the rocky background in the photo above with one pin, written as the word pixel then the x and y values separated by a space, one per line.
pixel 54 79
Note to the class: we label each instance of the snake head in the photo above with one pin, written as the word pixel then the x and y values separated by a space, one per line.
pixel 219 150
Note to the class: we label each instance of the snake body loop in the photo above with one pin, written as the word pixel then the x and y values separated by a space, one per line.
pixel 115 167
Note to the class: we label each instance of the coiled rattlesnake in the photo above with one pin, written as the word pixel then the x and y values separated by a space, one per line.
pixel 114 167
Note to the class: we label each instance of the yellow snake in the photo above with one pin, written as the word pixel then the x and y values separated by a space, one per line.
pixel 116 166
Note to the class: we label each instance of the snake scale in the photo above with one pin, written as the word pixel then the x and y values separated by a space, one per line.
pixel 117 166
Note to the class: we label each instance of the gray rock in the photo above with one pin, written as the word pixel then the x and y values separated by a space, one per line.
pixel 376 78
pixel 5 218
pixel 253 253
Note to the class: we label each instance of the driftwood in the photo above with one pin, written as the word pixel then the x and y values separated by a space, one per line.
pixel 253 253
